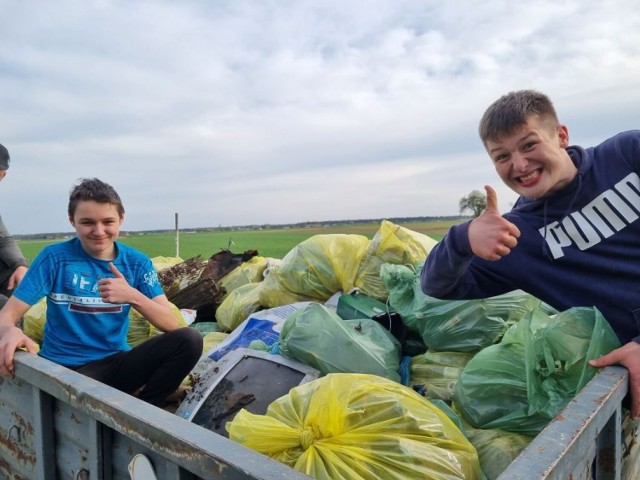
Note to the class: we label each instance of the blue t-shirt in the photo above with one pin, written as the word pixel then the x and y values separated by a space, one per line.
pixel 80 326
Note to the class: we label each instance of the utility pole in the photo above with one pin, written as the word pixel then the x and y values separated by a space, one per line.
pixel 177 237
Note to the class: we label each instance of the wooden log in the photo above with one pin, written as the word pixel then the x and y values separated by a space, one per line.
pixel 193 284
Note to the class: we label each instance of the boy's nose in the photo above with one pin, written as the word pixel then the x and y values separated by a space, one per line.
pixel 519 161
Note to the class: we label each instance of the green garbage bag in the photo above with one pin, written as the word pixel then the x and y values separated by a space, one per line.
pixel 497 449
pixel 524 381
pixel 453 325
pixel 318 337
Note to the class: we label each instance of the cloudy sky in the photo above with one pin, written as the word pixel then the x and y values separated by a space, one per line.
pixel 244 112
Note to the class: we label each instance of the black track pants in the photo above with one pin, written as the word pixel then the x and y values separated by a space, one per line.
pixel 159 364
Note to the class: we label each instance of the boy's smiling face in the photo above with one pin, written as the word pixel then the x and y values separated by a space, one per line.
pixel 97 226
pixel 533 161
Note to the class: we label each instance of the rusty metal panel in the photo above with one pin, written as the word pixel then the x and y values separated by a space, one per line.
pixel 44 441
pixel 72 441
pixel 89 430
pixel 584 440
pixel 17 455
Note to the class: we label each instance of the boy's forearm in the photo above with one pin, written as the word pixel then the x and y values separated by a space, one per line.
pixel 12 311
pixel 157 311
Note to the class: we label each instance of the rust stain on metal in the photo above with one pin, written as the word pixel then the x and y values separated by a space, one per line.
pixel 15 451
pixel 607 458
pixel 75 419
pixel 25 426
pixel 6 470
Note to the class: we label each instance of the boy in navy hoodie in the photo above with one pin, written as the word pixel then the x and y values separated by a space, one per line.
pixel 572 237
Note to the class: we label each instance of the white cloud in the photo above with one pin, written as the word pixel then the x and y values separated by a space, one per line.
pixel 270 112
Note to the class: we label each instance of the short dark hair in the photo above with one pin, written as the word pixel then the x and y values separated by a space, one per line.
pixel 96 190
pixel 4 158
pixel 513 110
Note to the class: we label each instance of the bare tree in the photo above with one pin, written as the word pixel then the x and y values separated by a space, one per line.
pixel 476 202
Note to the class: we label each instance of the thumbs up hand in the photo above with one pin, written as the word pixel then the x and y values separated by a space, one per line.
pixel 115 290
pixel 492 237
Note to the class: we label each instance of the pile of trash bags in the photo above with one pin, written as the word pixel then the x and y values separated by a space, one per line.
pixel 409 386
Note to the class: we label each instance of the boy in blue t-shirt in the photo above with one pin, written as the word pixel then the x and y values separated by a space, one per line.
pixel 91 282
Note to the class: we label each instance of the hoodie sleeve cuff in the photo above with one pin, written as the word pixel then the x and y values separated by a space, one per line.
pixel 459 235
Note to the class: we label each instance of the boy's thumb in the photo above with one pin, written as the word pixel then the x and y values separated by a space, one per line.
pixel 115 271
pixel 492 200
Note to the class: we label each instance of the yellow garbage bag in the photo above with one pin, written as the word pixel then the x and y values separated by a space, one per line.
pixel 322 265
pixel 251 271
pixel 33 321
pixel 160 263
pixel 140 329
pixel 272 293
pixel 237 306
pixel 358 426
pixel 391 244
pixel 435 373
pixel 212 339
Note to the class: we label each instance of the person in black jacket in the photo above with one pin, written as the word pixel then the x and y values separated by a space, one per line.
pixel 13 265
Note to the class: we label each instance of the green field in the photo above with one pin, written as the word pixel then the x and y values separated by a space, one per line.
pixel 274 243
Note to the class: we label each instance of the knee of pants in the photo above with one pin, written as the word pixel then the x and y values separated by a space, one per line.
pixel 190 338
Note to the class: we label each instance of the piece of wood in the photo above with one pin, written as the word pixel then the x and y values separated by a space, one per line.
pixel 193 284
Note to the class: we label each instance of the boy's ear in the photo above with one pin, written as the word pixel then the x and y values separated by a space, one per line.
pixel 563 136
pixel 71 221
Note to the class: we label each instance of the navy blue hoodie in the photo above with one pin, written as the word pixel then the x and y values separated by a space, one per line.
pixel 578 247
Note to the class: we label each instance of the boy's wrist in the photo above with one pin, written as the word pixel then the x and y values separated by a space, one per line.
pixel 4 329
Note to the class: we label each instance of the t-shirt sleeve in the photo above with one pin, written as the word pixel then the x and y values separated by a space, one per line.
pixel 148 281
pixel 39 279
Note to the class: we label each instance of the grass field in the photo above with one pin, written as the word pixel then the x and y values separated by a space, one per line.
pixel 274 243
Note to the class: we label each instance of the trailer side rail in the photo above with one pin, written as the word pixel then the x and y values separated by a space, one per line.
pixel 53 419
pixel 586 439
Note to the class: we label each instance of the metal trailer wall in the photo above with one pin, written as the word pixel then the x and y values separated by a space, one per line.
pixel 592 438
pixel 58 424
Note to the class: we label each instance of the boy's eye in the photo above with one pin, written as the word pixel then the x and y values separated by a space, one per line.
pixel 501 158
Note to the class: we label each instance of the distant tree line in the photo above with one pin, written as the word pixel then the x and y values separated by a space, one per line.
pixel 266 226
